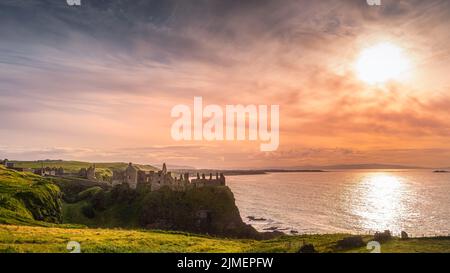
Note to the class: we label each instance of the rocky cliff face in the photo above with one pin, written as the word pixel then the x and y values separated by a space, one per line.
pixel 210 210
pixel 207 210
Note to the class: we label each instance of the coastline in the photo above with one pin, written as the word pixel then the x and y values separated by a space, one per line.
pixel 192 172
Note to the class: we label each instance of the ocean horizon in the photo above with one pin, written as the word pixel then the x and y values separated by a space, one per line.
pixel 346 201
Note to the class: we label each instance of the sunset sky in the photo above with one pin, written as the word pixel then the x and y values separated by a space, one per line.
pixel 98 82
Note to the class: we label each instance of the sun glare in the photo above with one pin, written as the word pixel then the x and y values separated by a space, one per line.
pixel 383 201
pixel 381 63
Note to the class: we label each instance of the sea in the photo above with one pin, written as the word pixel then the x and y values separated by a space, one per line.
pixel 346 201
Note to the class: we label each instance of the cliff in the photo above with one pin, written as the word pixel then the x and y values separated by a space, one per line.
pixel 210 210
pixel 207 210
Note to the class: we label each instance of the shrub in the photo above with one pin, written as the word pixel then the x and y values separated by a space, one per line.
pixel 404 235
pixel 307 248
pixel 89 193
pixel 88 211
pixel 351 242
pixel 382 236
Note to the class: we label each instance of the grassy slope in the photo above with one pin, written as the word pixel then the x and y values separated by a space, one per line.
pixel 45 239
pixel 25 197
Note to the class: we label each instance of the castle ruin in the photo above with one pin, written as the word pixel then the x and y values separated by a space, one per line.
pixel 47 171
pixel 154 180
pixel 88 173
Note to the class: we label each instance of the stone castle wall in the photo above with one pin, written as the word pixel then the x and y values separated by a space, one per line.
pixel 154 180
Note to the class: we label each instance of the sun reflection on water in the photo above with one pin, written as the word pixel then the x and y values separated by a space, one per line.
pixel 381 202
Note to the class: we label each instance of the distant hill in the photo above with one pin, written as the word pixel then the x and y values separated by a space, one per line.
pixel 175 167
pixel 103 170
pixel 351 166
pixel 193 172
pixel 311 168
pixel 370 166
pixel 74 166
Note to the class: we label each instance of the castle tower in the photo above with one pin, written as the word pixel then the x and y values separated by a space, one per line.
pixel 8 164
pixel 90 173
pixel 131 176
pixel 222 179
pixel 164 168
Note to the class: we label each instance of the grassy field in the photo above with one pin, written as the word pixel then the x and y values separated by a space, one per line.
pixel 38 239
pixel 51 239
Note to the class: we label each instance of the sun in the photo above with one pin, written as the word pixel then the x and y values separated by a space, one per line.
pixel 381 63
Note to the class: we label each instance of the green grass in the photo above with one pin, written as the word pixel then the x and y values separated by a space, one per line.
pixel 26 198
pixel 413 245
pixel 35 239
pixel 52 239
pixel 117 216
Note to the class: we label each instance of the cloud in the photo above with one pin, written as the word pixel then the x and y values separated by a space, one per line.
pixel 105 75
